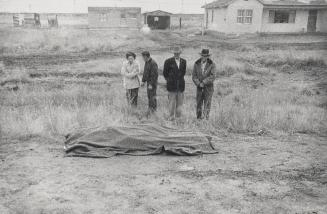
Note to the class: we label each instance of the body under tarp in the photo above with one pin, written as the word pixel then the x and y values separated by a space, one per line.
pixel 138 140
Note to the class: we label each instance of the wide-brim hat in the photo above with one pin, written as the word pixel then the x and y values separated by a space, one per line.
pixel 205 52
pixel 177 50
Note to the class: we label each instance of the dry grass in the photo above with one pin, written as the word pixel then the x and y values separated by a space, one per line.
pixel 253 92
pixel 34 110
pixel 43 41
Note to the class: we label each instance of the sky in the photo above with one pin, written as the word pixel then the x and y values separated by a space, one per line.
pixel 80 6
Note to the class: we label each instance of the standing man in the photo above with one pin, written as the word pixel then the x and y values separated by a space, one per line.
pixel 150 76
pixel 174 72
pixel 203 76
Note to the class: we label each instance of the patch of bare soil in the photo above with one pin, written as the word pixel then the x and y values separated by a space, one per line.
pixel 31 60
pixel 85 75
pixel 250 174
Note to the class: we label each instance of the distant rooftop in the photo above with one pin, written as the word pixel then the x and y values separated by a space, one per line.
pixel 112 8
pixel 225 3
pixel 157 12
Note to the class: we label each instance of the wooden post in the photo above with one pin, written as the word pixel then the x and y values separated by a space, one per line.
pixel 180 23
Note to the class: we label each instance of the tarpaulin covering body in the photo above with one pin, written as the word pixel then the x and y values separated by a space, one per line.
pixel 144 139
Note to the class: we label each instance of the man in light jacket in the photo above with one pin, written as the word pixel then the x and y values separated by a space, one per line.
pixel 203 76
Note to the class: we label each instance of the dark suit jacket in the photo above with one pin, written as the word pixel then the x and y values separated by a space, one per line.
pixel 150 74
pixel 174 75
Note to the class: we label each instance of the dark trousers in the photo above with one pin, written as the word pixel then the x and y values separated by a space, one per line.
pixel 132 95
pixel 203 101
pixel 152 97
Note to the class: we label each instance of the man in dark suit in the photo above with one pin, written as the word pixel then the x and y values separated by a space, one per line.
pixel 150 76
pixel 174 72
pixel 203 75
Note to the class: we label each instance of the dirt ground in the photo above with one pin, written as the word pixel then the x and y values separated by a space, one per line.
pixel 271 173
pixel 250 174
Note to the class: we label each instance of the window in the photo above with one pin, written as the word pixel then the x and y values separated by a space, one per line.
pixel 282 16
pixel 132 15
pixel 122 15
pixel 244 16
pixel 103 17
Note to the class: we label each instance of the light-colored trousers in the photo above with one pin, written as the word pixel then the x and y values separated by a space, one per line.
pixel 175 102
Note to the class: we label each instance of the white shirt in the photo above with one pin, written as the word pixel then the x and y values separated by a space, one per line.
pixel 178 62
pixel 203 66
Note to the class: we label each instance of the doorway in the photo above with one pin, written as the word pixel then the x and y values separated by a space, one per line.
pixel 158 22
pixel 312 20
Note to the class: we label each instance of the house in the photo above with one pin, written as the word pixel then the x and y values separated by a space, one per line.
pixel 266 16
pixel 114 17
pixel 32 20
pixel 157 19
pixel 18 20
pixel 27 20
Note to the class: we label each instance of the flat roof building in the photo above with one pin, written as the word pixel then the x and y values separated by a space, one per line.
pixel 114 17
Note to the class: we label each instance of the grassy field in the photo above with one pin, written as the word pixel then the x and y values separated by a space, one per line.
pixel 55 81
pixel 268 123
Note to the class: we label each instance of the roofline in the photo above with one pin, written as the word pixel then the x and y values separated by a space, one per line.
pixel 157 10
pixel 315 6
pixel 295 6
pixel 93 8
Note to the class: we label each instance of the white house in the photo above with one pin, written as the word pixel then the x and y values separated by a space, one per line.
pixel 266 16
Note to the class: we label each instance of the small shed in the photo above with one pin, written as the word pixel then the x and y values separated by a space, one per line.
pixel 32 20
pixel 157 19
pixel 18 20
pixel 27 20
pixel 52 21
pixel 114 17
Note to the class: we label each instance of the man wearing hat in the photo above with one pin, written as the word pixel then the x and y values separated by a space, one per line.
pixel 203 76
pixel 174 72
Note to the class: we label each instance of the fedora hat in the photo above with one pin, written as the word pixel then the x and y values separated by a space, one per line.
pixel 177 50
pixel 205 52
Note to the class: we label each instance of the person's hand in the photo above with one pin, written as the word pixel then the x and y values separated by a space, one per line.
pixel 150 87
pixel 142 84
pixel 201 85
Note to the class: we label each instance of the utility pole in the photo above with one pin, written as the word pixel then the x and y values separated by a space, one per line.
pixel 182 11
pixel 74 6
pixel 204 23
pixel 159 7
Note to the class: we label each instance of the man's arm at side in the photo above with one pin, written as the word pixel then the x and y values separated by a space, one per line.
pixel 154 75
pixel 165 70
pixel 211 78
pixel 195 76
pixel 185 67
pixel 145 75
